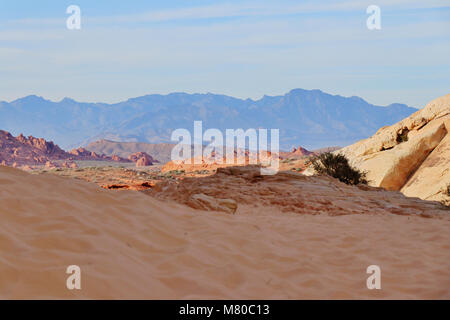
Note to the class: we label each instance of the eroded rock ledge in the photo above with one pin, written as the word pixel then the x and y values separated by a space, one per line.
pixel 237 189
pixel 411 156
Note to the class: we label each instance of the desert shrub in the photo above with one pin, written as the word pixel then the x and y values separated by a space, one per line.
pixel 201 171
pixel 175 172
pixel 337 166
pixel 446 201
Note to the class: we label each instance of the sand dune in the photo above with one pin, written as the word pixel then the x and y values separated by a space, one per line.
pixel 130 245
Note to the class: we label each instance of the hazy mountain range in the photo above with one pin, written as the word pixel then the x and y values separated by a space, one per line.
pixel 310 118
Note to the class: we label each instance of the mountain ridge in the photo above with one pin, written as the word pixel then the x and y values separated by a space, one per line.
pixel 311 118
pixel 69 99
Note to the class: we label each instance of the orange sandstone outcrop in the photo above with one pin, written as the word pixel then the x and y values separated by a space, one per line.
pixel 411 156
pixel 234 188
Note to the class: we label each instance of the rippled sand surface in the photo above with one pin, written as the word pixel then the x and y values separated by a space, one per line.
pixel 130 245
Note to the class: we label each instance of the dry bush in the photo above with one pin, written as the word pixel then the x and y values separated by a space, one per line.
pixel 337 166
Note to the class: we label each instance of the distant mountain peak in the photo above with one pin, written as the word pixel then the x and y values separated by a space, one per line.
pixel 30 99
pixel 398 106
pixel 68 100
pixel 305 91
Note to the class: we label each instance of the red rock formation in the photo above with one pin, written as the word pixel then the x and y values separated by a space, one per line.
pixel 69 164
pixel 115 158
pixel 48 148
pixel 84 154
pixel 50 165
pixel 301 151
pixel 22 150
pixel 142 159
pixel 211 163
pixel 19 151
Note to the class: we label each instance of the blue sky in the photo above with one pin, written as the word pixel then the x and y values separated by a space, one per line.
pixel 240 48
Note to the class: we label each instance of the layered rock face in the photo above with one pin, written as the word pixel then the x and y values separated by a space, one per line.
pixel 233 189
pixel 411 156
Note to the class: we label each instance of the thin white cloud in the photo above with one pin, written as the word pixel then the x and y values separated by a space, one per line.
pixel 109 60
pixel 243 9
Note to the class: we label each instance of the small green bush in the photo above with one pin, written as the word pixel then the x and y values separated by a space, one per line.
pixel 337 166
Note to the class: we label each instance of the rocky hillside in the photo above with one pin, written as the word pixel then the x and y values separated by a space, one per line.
pixel 411 156
pixel 20 151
